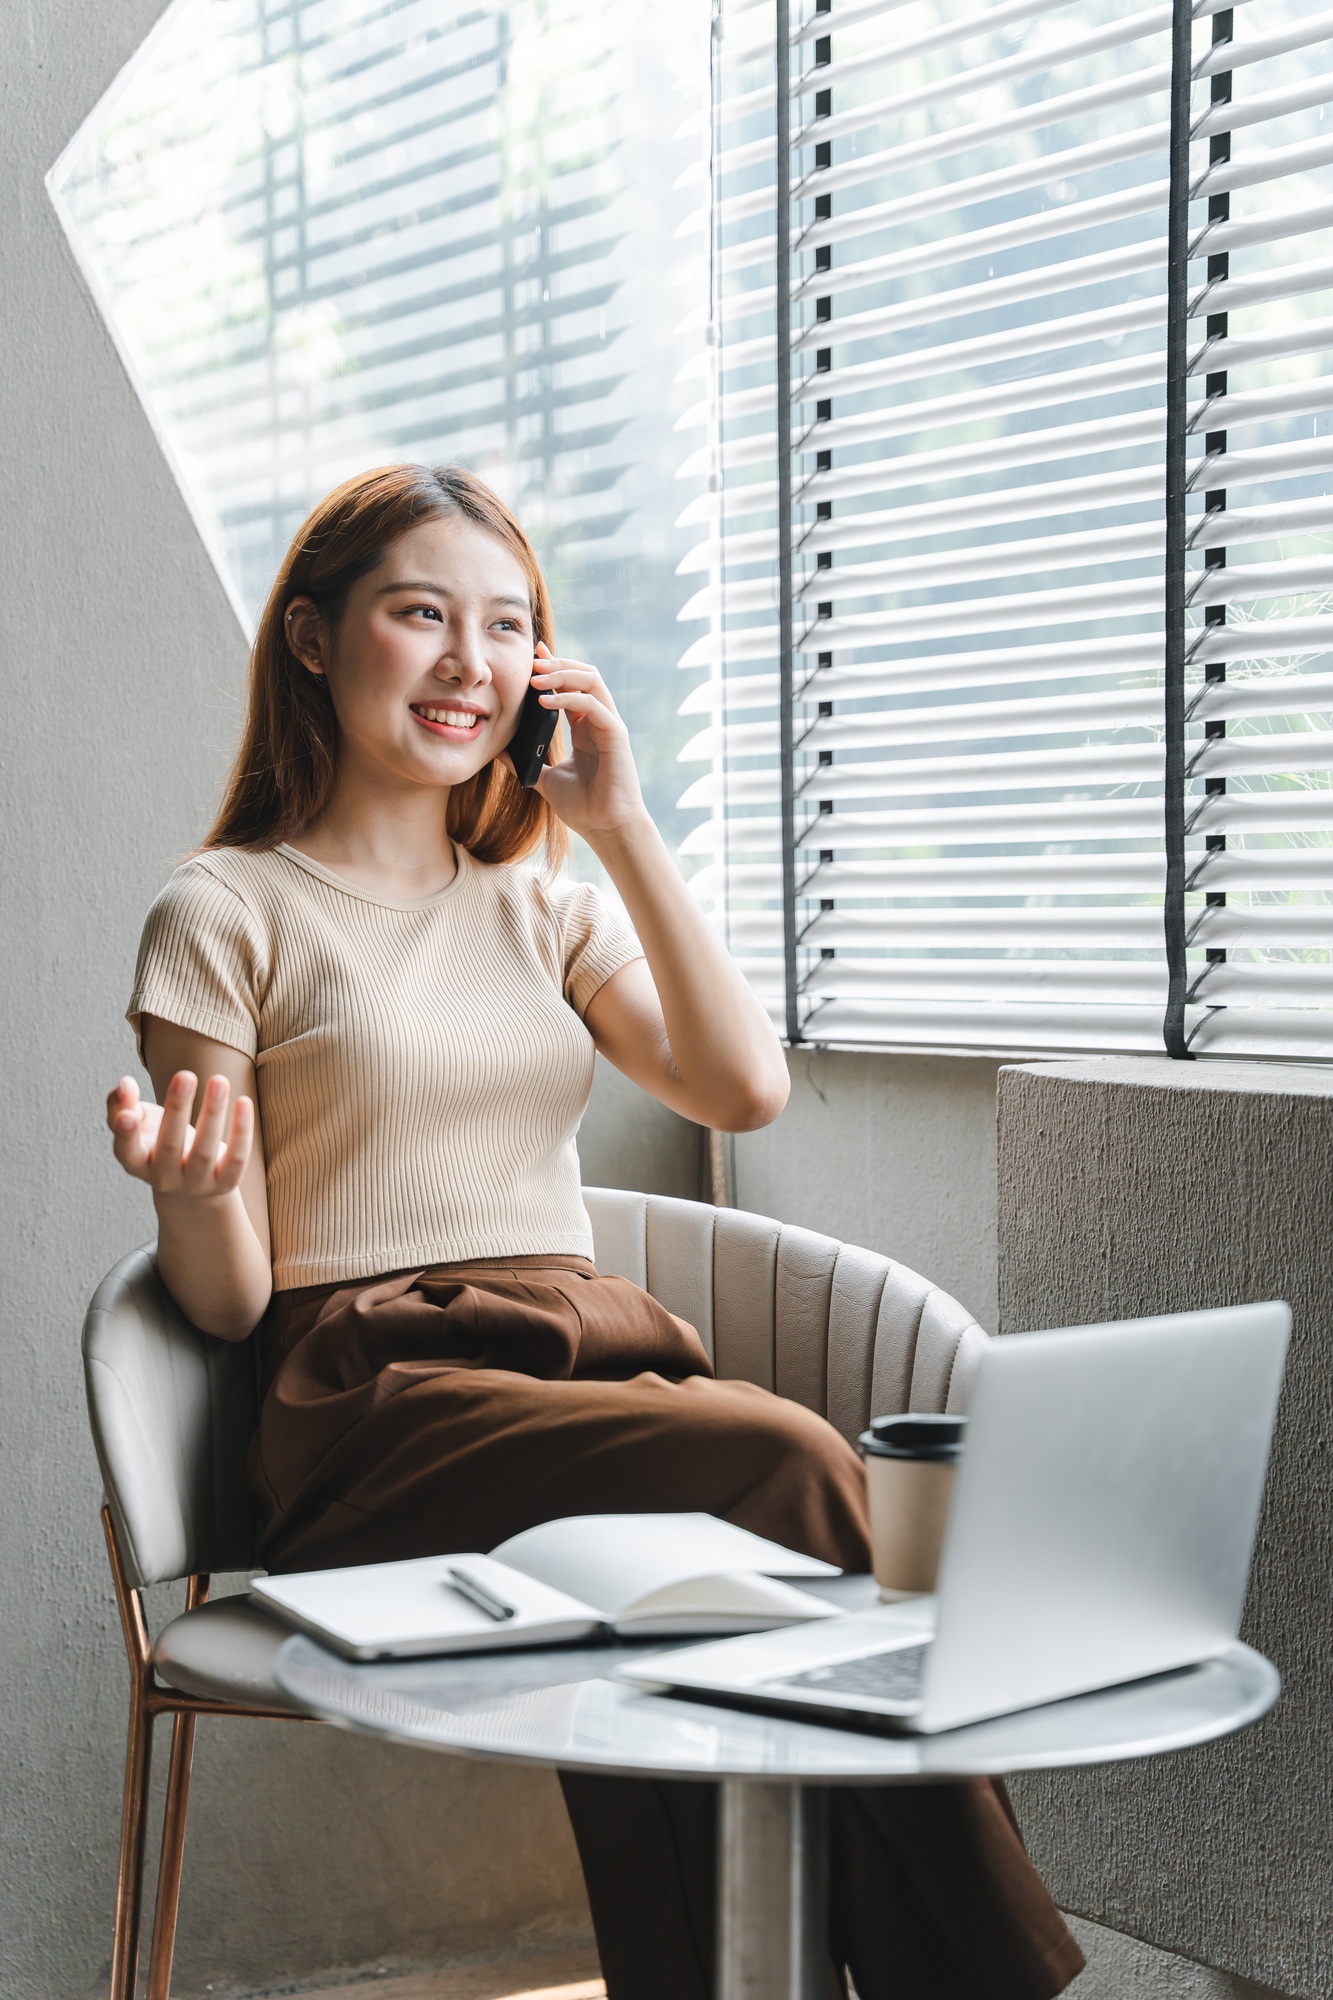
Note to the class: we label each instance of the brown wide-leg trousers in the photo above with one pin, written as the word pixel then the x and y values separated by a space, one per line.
pixel 453 1407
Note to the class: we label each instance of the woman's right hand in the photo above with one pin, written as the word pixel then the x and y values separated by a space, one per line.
pixel 158 1144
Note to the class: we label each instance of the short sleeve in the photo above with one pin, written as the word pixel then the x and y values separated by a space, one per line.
pixel 201 962
pixel 597 940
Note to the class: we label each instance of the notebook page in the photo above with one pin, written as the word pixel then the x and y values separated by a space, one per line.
pixel 400 1609
pixel 740 1602
pixel 611 1561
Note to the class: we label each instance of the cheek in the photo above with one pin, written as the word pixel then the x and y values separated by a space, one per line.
pixel 395 652
pixel 371 689
pixel 512 680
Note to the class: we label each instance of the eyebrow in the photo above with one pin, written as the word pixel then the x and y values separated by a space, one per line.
pixel 439 590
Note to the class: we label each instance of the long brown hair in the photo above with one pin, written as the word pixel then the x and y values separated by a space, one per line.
pixel 288 759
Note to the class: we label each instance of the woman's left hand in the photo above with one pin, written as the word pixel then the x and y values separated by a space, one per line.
pixel 595 789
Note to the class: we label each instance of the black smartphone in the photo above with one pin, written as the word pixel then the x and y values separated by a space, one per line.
pixel 532 739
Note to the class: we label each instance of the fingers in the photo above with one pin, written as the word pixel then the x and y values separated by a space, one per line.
pixel 584 706
pixel 556 676
pixel 130 1127
pixel 551 666
pixel 122 1102
pixel 174 1131
pixel 568 673
pixel 158 1144
pixel 240 1145
pixel 200 1159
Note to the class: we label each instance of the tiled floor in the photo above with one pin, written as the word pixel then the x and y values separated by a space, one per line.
pixel 538 1975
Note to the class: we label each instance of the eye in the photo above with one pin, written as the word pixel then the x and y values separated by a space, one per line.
pixel 509 624
pixel 426 611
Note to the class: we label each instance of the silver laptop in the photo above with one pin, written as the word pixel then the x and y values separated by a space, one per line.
pixel 1101 1530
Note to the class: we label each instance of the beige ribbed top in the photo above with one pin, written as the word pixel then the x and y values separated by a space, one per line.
pixel 422 1067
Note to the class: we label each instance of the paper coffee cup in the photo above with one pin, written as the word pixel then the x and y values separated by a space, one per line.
pixel 910 1463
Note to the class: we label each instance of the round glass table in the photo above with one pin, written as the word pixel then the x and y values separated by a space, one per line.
pixel 564 1707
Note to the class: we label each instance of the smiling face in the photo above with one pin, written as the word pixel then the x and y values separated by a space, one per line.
pixel 431 658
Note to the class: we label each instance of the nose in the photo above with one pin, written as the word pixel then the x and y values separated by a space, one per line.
pixel 463 662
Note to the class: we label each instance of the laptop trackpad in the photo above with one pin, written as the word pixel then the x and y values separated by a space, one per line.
pixel 894 1676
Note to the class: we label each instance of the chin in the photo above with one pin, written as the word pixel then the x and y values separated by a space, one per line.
pixel 452 764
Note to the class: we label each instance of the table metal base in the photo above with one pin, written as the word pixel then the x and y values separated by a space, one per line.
pixel 772 1931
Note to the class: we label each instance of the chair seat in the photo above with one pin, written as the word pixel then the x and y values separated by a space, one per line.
pixel 223 1651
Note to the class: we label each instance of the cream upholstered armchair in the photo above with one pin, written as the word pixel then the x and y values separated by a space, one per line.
pixel 842 1330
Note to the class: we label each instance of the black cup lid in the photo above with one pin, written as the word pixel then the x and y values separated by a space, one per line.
pixel 921 1435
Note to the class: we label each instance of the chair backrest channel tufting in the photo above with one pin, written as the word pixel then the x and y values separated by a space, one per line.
pixel 846 1331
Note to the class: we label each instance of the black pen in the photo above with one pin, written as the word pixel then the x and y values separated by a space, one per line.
pixel 481 1595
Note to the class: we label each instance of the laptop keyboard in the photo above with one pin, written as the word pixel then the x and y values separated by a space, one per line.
pixel 891 1676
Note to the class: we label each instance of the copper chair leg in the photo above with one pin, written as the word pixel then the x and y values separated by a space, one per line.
pixel 138 1765
pixel 173 1854
pixel 147 1700
pixel 173 1832
pixel 133 1840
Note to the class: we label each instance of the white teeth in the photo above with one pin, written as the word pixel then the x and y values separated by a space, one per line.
pixel 452 718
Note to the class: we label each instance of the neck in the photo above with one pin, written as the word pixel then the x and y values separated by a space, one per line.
pixel 392 840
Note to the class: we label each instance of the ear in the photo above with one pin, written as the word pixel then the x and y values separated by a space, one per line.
pixel 306 634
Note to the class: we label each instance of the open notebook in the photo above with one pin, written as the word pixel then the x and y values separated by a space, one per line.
pixel 635 1575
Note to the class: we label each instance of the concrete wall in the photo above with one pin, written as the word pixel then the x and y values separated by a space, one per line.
pixel 1130 1187
pixel 1124 1968
pixel 628 1140
pixel 893 1152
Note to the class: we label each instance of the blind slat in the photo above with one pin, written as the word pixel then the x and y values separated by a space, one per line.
pixel 1026 875
pixel 1067 979
pixel 950 722
pixel 987 76
pixel 1240 113
pixel 934 307
pixel 1247 49
pixel 853 531
pixel 886 165
pixel 1040 172
pixel 1209 645
pixel 1229 295
pixel 830 76
pixel 950 567
pixel 1002 453
pixel 1263 638
pixel 938 672
pixel 966 247
pixel 1132 927
pixel 1223 586
pixel 1137 927
pixel 976 875
pixel 1216 239
pixel 1142 85
pixel 1270 695
pixel 1111 764
pixel 1105 819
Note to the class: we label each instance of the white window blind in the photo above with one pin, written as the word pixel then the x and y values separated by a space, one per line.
pixel 978 742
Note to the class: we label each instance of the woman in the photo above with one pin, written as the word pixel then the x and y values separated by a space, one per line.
pixel 365 948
